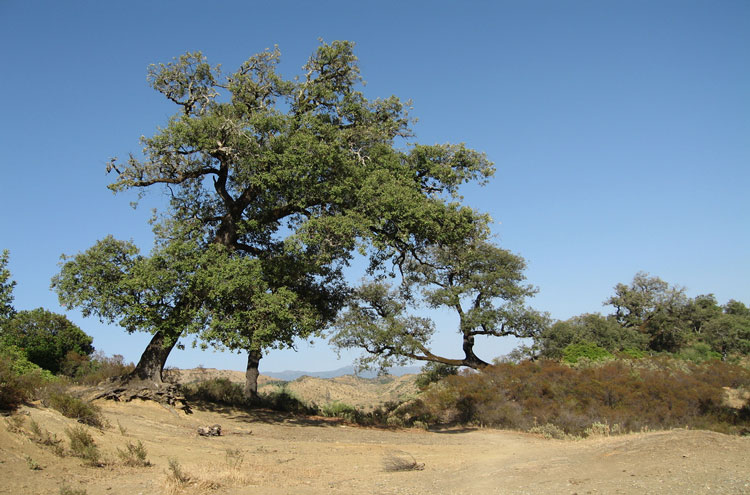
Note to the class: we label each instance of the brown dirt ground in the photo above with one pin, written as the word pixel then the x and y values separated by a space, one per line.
pixel 275 454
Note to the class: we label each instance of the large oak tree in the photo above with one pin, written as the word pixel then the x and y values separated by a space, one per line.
pixel 273 183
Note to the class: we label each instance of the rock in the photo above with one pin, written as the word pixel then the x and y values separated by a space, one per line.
pixel 209 431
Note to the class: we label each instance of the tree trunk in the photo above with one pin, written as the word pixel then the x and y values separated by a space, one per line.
pixel 472 360
pixel 152 360
pixel 251 375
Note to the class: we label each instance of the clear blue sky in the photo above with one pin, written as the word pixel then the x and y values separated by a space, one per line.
pixel 620 130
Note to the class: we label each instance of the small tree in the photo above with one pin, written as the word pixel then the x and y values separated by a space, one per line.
pixel 479 281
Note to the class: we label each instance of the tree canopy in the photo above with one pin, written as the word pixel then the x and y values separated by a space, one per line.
pixel 273 184
pixel 45 338
pixel 481 282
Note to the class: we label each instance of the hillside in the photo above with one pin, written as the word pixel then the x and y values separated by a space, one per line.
pixel 363 393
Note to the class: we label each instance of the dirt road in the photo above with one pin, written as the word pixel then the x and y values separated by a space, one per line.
pixel 263 452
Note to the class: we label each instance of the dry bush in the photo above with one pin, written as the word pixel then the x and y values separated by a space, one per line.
pixel 134 455
pixel 95 369
pixel 216 391
pixel 401 461
pixel 66 490
pixel 634 395
pixel 82 445
pixel 45 438
pixel 73 407
pixel 209 478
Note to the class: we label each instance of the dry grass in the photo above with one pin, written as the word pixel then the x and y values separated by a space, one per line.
pixel 401 461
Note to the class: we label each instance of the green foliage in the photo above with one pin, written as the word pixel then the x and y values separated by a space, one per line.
pixel 19 379
pixel 698 353
pixel 341 410
pixel 73 407
pixel 650 315
pixel 633 353
pixel 729 333
pixel 434 372
pixel 481 282
pixel 648 393
pixel 655 308
pixel 82 445
pixel 604 332
pixel 6 288
pixel 45 337
pixel 573 353
pixel 274 183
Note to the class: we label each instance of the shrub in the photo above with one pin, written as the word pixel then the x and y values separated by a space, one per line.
pixel 284 400
pixel 82 444
pixel 73 407
pixel 652 393
pixel 96 369
pixel 698 353
pixel 585 350
pixel 217 391
pixel 343 411
pixel 434 372
pixel 134 455
pixel 19 379
pixel 548 431
pixel 176 474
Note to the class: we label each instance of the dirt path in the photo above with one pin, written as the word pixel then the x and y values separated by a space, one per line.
pixel 271 454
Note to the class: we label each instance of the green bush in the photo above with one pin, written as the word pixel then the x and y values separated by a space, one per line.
pixel 433 372
pixel 585 350
pixel 19 379
pixel 698 353
pixel 341 410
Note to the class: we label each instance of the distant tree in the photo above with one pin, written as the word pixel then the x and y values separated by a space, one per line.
pixel 281 180
pixel 6 288
pixel 701 310
pixel 736 308
pixel 728 334
pixel 45 337
pixel 481 282
pixel 593 329
pixel 655 308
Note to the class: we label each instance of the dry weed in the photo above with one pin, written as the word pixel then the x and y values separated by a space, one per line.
pixel 401 461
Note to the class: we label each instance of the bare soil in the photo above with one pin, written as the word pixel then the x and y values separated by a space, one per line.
pixel 263 452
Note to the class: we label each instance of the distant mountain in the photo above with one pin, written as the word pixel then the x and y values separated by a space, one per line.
pixel 290 375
